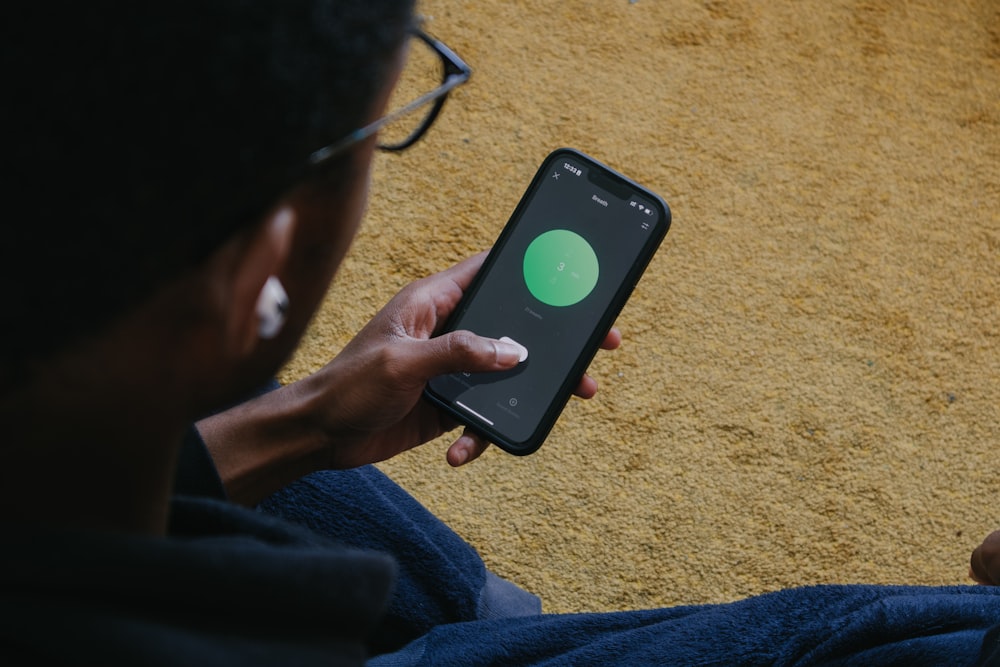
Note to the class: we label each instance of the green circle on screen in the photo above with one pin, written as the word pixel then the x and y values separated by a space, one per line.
pixel 560 268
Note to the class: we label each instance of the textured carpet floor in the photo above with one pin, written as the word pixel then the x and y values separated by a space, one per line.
pixel 809 387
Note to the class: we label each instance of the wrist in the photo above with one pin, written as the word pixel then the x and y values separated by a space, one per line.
pixel 266 443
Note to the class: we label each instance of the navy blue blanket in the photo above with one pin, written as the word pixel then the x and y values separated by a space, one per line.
pixel 438 605
pixel 440 578
pixel 826 625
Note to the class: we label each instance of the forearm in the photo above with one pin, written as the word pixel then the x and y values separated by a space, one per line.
pixel 264 444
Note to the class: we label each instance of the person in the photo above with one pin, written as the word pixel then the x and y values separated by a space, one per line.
pixel 187 179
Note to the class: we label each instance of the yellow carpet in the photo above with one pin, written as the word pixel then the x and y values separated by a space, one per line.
pixel 809 387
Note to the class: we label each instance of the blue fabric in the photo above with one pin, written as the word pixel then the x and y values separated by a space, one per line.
pixel 438 606
pixel 990 656
pixel 441 578
pixel 448 610
pixel 502 599
pixel 825 625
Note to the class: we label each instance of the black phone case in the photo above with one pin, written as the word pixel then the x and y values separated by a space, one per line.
pixel 601 326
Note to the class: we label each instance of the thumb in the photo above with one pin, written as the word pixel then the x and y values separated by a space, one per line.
pixel 465 351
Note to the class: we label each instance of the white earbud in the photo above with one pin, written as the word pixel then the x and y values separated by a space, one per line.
pixel 272 308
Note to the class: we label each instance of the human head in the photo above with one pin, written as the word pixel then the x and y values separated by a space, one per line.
pixel 144 135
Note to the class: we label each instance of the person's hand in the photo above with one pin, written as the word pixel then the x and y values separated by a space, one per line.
pixel 365 405
pixel 367 400
pixel 984 566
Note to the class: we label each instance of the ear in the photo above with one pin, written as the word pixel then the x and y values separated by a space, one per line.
pixel 262 256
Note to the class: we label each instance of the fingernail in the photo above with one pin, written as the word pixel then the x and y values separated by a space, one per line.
pixel 507 355
pixel 512 345
pixel 457 455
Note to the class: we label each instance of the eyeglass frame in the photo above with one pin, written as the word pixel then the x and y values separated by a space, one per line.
pixel 456 72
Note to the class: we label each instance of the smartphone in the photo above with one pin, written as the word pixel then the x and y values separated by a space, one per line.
pixel 554 282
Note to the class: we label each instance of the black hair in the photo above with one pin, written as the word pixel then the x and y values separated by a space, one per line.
pixel 142 135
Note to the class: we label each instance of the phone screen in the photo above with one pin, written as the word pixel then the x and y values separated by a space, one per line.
pixel 554 282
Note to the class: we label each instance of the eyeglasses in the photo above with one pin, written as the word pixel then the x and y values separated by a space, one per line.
pixel 429 63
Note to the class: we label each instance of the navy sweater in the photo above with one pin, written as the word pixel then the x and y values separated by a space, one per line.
pixel 228 586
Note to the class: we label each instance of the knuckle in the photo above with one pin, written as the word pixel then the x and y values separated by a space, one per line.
pixel 464 344
pixel 391 361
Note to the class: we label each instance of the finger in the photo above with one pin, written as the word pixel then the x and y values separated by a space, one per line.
pixel 587 387
pixel 613 340
pixel 468 447
pixel 459 351
pixel 463 272
pixel 427 303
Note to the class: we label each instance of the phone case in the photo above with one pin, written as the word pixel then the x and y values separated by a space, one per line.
pixel 617 185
